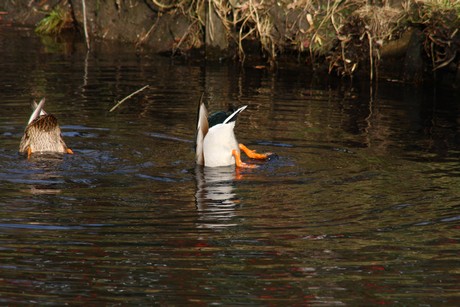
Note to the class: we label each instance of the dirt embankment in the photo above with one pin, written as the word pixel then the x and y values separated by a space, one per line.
pixel 410 41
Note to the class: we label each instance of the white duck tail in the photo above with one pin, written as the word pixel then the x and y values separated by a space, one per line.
pixel 234 114
pixel 202 130
pixel 38 110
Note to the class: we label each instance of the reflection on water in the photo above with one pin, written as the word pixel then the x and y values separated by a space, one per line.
pixel 360 208
pixel 216 200
pixel 43 174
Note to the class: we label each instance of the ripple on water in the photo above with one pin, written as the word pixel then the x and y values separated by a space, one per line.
pixel 359 207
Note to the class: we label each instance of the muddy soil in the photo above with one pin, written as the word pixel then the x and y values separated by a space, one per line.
pixel 145 26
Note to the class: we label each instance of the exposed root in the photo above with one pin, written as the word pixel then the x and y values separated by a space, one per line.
pixel 349 34
pixel 363 33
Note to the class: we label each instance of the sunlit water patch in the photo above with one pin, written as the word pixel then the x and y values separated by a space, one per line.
pixel 358 207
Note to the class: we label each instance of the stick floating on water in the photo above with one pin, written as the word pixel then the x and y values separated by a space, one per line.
pixel 129 96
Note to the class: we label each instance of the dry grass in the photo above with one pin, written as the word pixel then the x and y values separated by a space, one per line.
pixel 440 21
pixel 347 33
pixel 364 32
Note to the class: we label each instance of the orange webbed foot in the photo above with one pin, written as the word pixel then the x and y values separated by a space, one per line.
pixel 69 151
pixel 240 163
pixel 253 154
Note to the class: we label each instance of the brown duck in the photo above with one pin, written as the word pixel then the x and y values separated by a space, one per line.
pixel 42 133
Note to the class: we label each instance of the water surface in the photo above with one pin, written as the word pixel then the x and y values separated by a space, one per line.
pixel 361 207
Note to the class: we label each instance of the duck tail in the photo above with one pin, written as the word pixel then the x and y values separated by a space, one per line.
pixel 202 130
pixel 230 118
pixel 38 110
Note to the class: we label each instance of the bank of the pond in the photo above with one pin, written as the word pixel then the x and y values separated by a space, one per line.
pixel 408 41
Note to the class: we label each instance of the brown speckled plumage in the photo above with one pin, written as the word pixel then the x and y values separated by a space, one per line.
pixel 43 134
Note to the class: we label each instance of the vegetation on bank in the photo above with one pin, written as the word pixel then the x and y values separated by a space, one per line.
pixel 348 35
pixel 55 21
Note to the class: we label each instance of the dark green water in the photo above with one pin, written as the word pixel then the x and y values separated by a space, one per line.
pixel 360 208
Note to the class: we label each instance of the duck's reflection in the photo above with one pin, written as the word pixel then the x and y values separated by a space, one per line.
pixel 215 198
pixel 43 175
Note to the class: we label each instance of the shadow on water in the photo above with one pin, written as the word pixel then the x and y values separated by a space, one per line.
pixel 360 208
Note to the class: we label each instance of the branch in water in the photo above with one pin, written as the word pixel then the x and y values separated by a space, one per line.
pixel 127 97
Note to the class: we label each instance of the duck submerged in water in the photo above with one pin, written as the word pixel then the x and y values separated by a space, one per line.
pixel 42 133
pixel 216 144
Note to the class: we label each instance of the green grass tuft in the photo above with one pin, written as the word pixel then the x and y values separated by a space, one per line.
pixel 53 23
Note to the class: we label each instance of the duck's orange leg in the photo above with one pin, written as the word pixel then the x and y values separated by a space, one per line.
pixel 29 152
pixel 238 161
pixel 252 153
pixel 69 151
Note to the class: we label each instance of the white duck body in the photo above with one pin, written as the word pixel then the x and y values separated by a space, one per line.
pixel 215 145
pixel 219 144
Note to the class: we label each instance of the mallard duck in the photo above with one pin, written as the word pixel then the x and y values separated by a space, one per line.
pixel 216 144
pixel 42 133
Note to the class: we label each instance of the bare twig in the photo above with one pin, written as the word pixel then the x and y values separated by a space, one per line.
pixel 144 37
pixel 127 97
pixel 85 25
pixel 187 32
pixel 165 6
